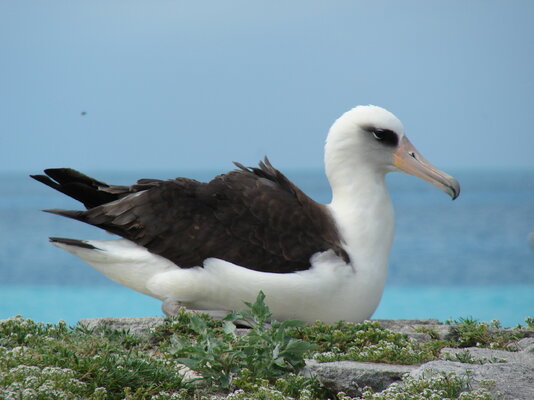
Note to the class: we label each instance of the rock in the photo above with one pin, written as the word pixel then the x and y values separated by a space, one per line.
pixel 351 377
pixel 513 380
pixel 414 327
pixel 526 344
pixel 396 324
pixel 526 333
pixel 486 356
pixel 136 326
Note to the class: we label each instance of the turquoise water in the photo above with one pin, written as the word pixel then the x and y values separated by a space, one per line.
pixel 470 257
pixel 509 304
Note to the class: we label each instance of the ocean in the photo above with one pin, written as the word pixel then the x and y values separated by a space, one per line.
pixel 471 257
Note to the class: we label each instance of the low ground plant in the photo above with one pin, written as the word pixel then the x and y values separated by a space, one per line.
pixel 53 361
pixel 44 360
pixel 266 351
pixel 469 332
pixel 366 341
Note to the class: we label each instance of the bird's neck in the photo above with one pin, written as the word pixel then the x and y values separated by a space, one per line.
pixel 364 214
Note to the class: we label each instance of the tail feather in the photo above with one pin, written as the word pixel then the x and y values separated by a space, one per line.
pixel 47 181
pixel 83 188
pixel 73 214
pixel 120 260
pixel 73 242
pixel 69 175
pixel 96 219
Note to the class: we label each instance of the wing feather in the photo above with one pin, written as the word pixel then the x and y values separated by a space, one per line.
pixel 253 217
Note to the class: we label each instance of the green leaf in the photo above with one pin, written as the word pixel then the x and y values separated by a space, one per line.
pixel 229 327
pixel 260 311
pixel 298 347
pixel 276 351
pixel 188 362
pixel 292 323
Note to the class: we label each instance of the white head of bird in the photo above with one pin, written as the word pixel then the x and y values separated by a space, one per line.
pixel 370 141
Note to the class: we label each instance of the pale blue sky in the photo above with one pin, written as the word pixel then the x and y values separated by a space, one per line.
pixel 178 85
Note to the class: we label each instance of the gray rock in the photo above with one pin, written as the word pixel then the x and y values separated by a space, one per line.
pixel 136 326
pixel 526 344
pixel 485 356
pixel 419 337
pixel 351 377
pixel 513 380
pixel 394 324
pixel 526 333
pixel 413 327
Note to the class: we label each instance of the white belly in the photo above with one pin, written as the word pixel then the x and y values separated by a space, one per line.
pixel 329 291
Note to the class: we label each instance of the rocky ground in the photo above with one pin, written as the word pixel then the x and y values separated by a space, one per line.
pixel 507 374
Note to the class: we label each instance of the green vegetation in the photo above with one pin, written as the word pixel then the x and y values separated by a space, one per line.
pixel 366 342
pixel 221 354
pixel 468 332
pixel 430 387
pixel 530 323
pixel 46 361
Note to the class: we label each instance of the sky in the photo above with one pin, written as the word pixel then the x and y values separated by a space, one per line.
pixel 176 85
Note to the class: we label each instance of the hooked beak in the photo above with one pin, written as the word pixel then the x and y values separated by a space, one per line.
pixel 408 159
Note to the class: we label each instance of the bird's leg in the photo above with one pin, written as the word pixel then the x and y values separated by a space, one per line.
pixel 171 307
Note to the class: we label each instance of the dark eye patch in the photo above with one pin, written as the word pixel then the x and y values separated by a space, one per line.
pixel 386 136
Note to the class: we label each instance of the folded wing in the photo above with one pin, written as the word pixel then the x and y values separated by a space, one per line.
pixel 252 217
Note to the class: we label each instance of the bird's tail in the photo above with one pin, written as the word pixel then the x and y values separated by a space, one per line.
pixel 120 260
pixel 83 188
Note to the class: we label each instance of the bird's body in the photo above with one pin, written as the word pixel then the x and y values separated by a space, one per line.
pixel 211 246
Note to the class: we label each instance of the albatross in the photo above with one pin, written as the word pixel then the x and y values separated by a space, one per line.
pixel 211 246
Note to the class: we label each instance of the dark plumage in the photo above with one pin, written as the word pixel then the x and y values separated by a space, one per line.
pixel 252 217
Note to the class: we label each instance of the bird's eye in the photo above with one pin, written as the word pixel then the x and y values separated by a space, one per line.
pixel 379 135
pixel 386 136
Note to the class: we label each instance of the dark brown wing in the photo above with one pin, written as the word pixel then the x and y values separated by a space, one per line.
pixel 253 217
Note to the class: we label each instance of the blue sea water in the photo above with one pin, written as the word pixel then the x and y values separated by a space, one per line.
pixel 470 257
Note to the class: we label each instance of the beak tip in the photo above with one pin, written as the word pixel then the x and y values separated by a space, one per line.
pixel 454 189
